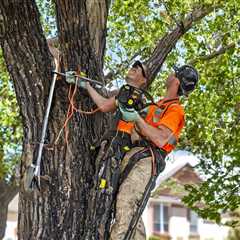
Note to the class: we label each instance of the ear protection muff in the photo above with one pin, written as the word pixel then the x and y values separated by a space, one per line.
pixel 188 77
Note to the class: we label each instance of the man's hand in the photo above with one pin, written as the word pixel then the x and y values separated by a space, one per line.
pixel 71 78
pixel 129 115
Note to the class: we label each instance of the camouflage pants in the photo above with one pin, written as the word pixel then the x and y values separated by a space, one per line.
pixel 129 196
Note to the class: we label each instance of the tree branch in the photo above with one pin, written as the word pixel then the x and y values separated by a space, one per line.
pixel 171 15
pixel 168 42
pixel 214 54
pixel 8 191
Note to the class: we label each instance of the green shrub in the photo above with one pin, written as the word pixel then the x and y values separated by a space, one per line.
pixel 153 238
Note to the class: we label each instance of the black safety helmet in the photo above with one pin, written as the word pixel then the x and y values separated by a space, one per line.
pixel 188 77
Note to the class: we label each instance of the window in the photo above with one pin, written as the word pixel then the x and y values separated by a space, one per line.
pixel 156 218
pixel 193 219
pixel 179 211
pixel 160 218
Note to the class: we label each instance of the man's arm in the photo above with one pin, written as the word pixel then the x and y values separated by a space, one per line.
pixel 159 136
pixel 104 104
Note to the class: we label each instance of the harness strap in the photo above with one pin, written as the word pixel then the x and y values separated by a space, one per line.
pixel 154 168
pixel 131 163
pixel 166 108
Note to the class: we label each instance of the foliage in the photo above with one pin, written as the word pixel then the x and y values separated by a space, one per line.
pixel 153 238
pixel 46 8
pixel 175 187
pixel 213 114
pixel 10 125
pixel 213 134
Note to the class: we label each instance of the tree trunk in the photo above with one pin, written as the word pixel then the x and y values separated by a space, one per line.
pixel 3 219
pixel 7 193
pixel 65 209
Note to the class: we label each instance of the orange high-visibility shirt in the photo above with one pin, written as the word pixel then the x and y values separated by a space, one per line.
pixel 170 114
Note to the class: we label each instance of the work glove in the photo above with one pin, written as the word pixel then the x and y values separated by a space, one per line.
pixel 129 114
pixel 71 78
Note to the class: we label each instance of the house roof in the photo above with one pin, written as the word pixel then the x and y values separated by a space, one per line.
pixel 171 182
pixel 169 172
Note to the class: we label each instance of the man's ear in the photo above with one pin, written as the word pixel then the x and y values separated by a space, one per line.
pixel 177 82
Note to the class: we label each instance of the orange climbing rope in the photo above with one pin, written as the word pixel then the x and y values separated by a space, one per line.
pixel 70 112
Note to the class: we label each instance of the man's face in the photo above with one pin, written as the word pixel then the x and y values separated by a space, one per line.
pixel 136 75
pixel 171 80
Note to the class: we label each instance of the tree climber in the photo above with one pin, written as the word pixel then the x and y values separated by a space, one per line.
pixel 157 127
pixel 161 128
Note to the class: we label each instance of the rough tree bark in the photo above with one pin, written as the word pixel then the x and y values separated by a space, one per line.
pixel 7 193
pixel 65 209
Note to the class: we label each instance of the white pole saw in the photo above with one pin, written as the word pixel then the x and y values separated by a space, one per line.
pixel 32 178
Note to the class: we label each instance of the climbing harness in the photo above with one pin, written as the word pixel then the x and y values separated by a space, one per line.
pixel 131 98
pixel 149 150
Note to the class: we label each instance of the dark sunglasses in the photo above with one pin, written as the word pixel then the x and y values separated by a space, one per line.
pixel 139 64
